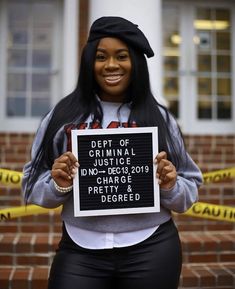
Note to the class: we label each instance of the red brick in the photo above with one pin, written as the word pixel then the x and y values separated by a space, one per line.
pixel 229 202
pixel 227 257
pixel 188 278
pixel 192 243
pixel 55 242
pixel 10 203
pixel 35 229
pixel 16 140
pixel 207 279
pixel 39 278
pixel 24 244
pixel 32 260
pixel 202 258
pixel 7 243
pixel 57 228
pixel 220 226
pixel 41 244
pixel 191 227
pixel 231 268
pixel 6 259
pixel 224 240
pixel 20 278
pixel 5 274
pixel 209 243
pixel 12 228
pixel 224 278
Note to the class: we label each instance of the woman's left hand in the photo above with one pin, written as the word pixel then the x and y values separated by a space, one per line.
pixel 166 171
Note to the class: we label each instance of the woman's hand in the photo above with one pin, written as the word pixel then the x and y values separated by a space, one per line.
pixel 64 169
pixel 166 171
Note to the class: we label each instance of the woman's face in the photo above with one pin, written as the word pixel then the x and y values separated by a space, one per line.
pixel 112 69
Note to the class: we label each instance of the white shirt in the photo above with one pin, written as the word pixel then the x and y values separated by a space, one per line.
pixel 99 240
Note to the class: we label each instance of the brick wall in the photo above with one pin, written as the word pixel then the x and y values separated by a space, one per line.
pixel 14 152
pixel 210 152
pixel 27 244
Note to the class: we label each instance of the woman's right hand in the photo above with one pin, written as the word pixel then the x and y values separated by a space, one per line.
pixel 64 169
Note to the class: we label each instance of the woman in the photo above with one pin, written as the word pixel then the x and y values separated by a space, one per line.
pixel 113 90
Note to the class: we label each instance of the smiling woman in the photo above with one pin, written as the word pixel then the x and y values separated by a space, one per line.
pixel 133 251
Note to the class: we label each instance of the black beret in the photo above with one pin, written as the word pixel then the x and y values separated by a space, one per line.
pixel 112 26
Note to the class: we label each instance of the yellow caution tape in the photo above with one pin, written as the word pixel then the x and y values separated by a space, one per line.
pixel 13 178
pixel 22 211
pixel 10 178
pixel 201 210
pixel 218 176
pixel 211 211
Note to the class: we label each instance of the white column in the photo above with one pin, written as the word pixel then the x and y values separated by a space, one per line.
pixel 147 14
pixel 70 46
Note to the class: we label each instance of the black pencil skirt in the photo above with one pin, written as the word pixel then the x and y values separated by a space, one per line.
pixel 152 264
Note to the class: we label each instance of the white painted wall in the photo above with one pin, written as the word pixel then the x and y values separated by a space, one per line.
pixel 70 45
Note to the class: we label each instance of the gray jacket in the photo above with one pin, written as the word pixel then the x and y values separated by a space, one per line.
pixel 178 199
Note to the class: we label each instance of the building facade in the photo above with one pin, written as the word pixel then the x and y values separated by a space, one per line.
pixel 191 72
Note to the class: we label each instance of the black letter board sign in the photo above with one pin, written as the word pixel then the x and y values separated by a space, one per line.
pixel 116 173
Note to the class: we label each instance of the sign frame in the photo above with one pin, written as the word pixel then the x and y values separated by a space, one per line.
pixel 76 133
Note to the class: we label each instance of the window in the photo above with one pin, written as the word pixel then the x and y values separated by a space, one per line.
pixel 198 64
pixel 213 46
pixel 171 42
pixel 30 57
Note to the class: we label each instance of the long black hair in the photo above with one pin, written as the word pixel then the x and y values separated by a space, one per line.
pixel 82 102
